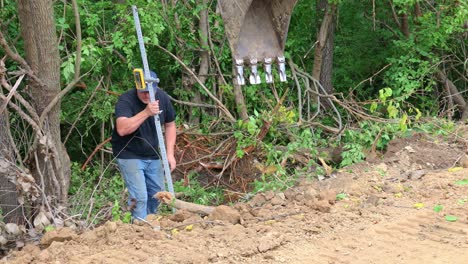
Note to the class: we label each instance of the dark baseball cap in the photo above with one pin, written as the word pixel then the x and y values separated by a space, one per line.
pixel 153 76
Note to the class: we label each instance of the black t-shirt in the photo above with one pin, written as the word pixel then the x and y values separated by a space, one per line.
pixel 143 143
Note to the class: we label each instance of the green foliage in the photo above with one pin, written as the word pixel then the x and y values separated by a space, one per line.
pixel 273 183
pixel 196 193
pixel 9 27
pixel 437 208
pixel 92 191
pixel 282 177
pixel 247 133
pixel 119 215
pixel 360 48
pixel 353 153
pixel 451 218
pixel 49 228
pixel 183 38
pixel 462 182
pixel 303 20
pixel 409 74
pixel 341 196
pixel 357 142
pixel 436 36
pixel 438 127
pixel 365 137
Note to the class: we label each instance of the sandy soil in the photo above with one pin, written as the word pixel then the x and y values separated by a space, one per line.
pixel 386 216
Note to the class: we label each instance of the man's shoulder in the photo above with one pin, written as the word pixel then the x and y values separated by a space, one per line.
pixel 128 95
pixel 162 94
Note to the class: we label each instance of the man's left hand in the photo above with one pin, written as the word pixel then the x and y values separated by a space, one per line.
pixel 172 162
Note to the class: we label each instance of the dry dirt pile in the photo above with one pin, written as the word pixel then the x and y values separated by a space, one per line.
pixel 372 212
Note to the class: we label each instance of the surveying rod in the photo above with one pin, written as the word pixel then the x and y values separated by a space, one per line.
pixel 152 85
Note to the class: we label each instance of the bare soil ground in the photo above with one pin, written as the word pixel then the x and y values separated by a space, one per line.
pixel 386 216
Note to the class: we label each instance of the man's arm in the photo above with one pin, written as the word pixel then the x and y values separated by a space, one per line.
pixel 128 125
pixel 171 133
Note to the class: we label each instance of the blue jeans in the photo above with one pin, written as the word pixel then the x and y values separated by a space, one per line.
pixel 143 179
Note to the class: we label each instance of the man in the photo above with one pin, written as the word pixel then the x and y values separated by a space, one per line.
pixel 135 145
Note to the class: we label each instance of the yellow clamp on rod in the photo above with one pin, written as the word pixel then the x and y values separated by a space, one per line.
pixel 139 76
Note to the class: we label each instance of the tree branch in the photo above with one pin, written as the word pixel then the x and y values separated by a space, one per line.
pixel 23 115
pixel 10 94
pixel 23 102
pixel 192 104
pixel 57 99
pixel 16 57
pixel 83 110
pixel 219 103
pixel 394 14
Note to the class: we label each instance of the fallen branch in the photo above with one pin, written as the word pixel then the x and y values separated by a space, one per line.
pixel 167 198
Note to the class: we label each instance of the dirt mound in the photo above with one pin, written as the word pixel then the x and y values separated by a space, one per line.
pixel 367 213
pixel 423 152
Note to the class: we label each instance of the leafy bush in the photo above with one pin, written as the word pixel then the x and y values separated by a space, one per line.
pixel 196 193
pixel 96 195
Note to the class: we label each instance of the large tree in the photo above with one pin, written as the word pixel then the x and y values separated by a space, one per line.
pixel 46 158
pixel 42 54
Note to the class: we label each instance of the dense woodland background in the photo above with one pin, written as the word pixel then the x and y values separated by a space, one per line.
pixel 360 73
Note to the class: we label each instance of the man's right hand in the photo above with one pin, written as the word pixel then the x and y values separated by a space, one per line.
pixel 152 108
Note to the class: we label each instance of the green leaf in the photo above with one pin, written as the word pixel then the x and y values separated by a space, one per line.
pixel 127 218
pixel 373 107
pixel 392 111
pixel 418 115
pixel 451 218
pixel 49 228
pixel 403 123
pixel 462 182
pixel 438 208
pixel 384 94
pixel 340 196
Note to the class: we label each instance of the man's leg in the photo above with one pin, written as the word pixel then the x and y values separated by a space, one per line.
pixel 154 183
pixel 133 173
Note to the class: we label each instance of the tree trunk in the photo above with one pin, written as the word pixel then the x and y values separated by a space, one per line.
pixel 405 25
pixel 454 94
pixel 204 57
pixel 323 59
pixel 49 162
pixel 326 73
